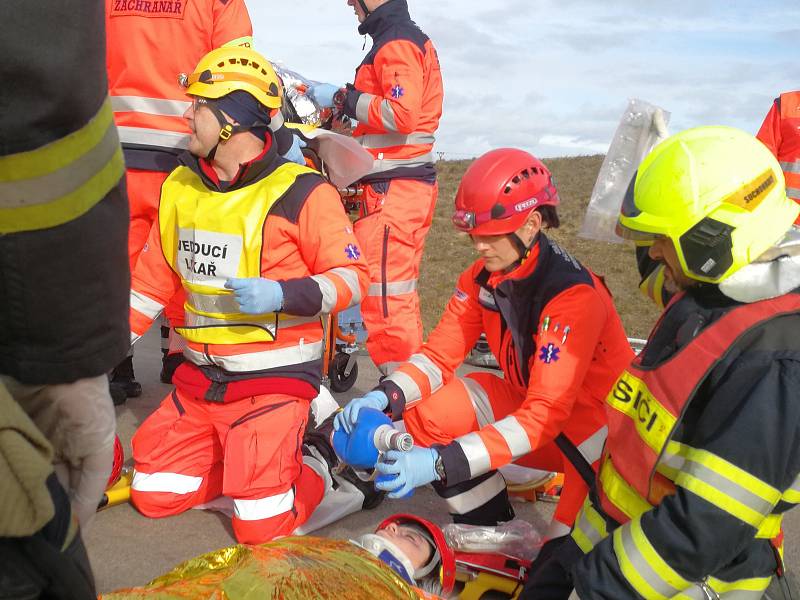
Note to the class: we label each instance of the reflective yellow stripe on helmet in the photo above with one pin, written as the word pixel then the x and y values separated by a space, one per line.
pixel 62 180
pixel 230 68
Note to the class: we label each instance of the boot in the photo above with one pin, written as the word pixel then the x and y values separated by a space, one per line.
pixel 117 393
pixel 320 439
pixel 481 355
pixel 170 362
pixel 123 382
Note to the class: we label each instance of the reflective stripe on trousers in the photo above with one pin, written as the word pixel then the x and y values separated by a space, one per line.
pixel 264 508
pixel 174 483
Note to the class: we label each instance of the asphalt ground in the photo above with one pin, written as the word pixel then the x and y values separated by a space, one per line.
pixel 127 549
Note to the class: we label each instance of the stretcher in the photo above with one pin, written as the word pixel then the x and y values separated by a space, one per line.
pixel 119 492
pixel 344 335
pixel 489 576
pixel 118 488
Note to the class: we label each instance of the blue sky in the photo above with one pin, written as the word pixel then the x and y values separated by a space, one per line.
pixel 554 76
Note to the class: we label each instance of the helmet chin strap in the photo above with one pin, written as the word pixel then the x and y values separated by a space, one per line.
pixel 226 129
pixel 367 11
pixel 523 250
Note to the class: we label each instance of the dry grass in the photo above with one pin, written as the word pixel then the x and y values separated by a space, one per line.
pixel 447 252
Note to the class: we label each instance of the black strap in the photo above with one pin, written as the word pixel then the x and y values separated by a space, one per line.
pixel 577 459
pixel 587 473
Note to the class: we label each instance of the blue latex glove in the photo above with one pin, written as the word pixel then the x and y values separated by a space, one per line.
pixel 256 295
pixel 295 153
pixel 323 94
pixel 346 419
pixel 412 469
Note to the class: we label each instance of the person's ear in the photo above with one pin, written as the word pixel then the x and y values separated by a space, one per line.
pixel 532 226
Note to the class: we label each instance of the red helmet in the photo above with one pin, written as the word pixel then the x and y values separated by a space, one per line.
pixel 442 552
pixel 499 190
pixel 116 467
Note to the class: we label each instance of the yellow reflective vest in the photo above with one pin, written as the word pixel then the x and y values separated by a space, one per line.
pixel 209 236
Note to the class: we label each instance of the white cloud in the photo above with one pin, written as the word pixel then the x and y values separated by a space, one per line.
pixel 553 76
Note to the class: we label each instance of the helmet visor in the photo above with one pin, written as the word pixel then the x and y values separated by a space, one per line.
pixel 629 208
pixel 634 235
pixel 628 218
pixel 465 220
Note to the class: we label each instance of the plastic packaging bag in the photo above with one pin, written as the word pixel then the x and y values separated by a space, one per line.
pixel 517 538
pixel 642 126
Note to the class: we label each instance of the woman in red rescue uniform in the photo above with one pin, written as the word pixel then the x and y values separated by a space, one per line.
pixel 560 343
pixel 261 246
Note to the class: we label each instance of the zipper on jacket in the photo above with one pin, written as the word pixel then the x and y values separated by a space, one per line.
pixel 207 355
pixel 177 403
pixel 384 261
pixel 709 592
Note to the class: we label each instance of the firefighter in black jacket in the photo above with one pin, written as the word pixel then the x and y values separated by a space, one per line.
pixel 701 459
pixel 64 278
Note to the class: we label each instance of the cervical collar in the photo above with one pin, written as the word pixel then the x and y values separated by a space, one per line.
pixel 389 553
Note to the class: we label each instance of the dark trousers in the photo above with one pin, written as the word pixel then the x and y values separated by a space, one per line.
pixel 39 567
pixel 550 577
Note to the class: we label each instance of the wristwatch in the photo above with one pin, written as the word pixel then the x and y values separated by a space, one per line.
pixel 439 467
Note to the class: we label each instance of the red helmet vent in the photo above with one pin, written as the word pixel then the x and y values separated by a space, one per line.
pixel 499 190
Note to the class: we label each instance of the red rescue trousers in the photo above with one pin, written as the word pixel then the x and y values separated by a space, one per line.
pixel 144 192
pixel 190 451
pixel 467 404
pixel 392 236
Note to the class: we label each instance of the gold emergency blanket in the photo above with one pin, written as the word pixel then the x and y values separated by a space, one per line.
pixel 292 568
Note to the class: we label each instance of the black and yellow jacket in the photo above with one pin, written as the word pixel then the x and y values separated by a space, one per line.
pixel 64 277
pixel 742 469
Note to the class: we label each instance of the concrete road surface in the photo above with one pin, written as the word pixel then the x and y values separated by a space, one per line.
pixel 127 549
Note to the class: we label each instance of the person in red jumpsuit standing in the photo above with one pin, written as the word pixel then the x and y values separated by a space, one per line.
pixel 560 343
pixel 261 247
pixel 397 100
pixel 780 132
pixel 149 43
